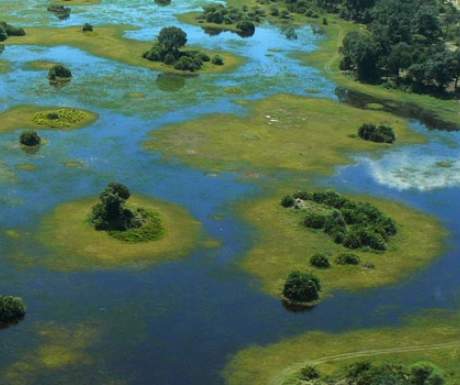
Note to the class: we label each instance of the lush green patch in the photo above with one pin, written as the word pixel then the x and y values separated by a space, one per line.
pixel 76 245
pixel 432 339
pixel 301 288
pixel 281 132
pixel 108 41
pixel 377 134
pixel 4 67
pixel 284 245
pixel 34 117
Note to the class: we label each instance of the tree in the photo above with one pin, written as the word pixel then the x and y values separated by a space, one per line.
pixel 30 138
pixel 302 287
pixel 320 261
pixel 172 38
pixel 11 309
pixel 59 72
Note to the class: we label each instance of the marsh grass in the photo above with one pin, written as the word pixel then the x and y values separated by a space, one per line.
pixel 283 132
pixel 34 117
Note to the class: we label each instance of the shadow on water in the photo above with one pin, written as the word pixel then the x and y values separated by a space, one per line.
pixel 406 110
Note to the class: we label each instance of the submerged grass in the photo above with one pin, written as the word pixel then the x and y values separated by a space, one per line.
pixel 284 244
pixel 434 337
pixel 76 245
pixel 327 58
pixel 281 132
pixel 35 117
pixel 108 42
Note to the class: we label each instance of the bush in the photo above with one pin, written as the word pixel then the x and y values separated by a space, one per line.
pixel 378 134
pixel 11 309
pixel 3 34
pixel 30 138
pixel 425 373
pixel 301 287
pixel 11 30
pixel 247 28
pixel 315 221
pixel 352 240
pixel 59 72
pixel 309 373
pixel 347 259
pixel 187 63
pixel 288 201
pixel 87 27
pixel 217 60
pixel 320 260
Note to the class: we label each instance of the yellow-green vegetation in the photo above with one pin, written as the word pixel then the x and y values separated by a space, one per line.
pixel 78 246
pixel 4 67
pixel 191 18
pixel 108 42
pixel 40 65
pixel 327 58
pixel 281 132
pixel 35 117
pixel 26 167
pixel 75 2
pixel 59 349
pixel 284 245
pixel 434 338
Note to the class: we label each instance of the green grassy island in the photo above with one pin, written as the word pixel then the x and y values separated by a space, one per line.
pixel 149 232
pixel 282 132
pixel 319 358
pixel 34 117
pixel 286 245
pixel 108 42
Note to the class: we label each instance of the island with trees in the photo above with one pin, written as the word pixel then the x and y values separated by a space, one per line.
pixel 117 229
pixel 12 309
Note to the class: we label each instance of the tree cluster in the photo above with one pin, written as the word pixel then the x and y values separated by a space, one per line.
pixel 378 134
pixel 167 49
pixel 59 72
pixel 60 11
pixel 301 287
pixel 408 44
pixel 352 224
pixel 30 138
pixel 7 30
pixel 244 18
pixel 111 213
pixel 12 309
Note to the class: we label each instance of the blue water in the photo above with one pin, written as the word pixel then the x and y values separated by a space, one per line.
pixel 179 322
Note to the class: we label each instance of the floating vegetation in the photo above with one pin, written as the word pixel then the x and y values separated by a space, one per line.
pixel 63 118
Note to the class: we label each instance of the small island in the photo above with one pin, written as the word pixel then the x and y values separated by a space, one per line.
pixel 117 229
pixel 30 138
pixel 59 74
pixel 12 309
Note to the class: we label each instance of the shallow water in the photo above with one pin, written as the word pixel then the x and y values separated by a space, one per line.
pixel 178 322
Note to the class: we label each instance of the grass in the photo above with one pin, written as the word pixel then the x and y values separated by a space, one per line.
pixel 327 58
pixel 191 18
pixel 75 2
pixel 281 132
pixel 284 244
pixel 34 117
pixel 4 67
pixel 40 65
pixel 434 338
pixel 76 245
pixel 108 42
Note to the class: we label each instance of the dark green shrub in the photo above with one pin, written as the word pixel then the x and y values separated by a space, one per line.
pixel 30 138
pixel 156 53
pixel 425 373
pixel 217 60
pixel 352 240
pixel 87 27
pixel 247 28
pixel 172 38
pixel 320 260
pixel 186 63
pixel 59 72
pixel 378 134
pixel 11 30
pixel 315 221
pixel 301 287
pixel 163 2
pixel 11 309
pixel 347 259
pixel 287 201
pixel 304 195
pixel 309 373
pixel 3 34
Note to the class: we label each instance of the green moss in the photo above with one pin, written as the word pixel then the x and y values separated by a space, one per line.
pixel 327 58
pixel 285 244
pixel 34 117
pixel 108 42
pixel 76 245
pixel 432 338
pixel 282 132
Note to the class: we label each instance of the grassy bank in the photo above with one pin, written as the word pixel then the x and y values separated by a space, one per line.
pixel 327 58
pixel 284 244
pixel 434 338
pixel 76 245
pixel 191 18
pixel 108 42
pixel 281 132
pixel 34 117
